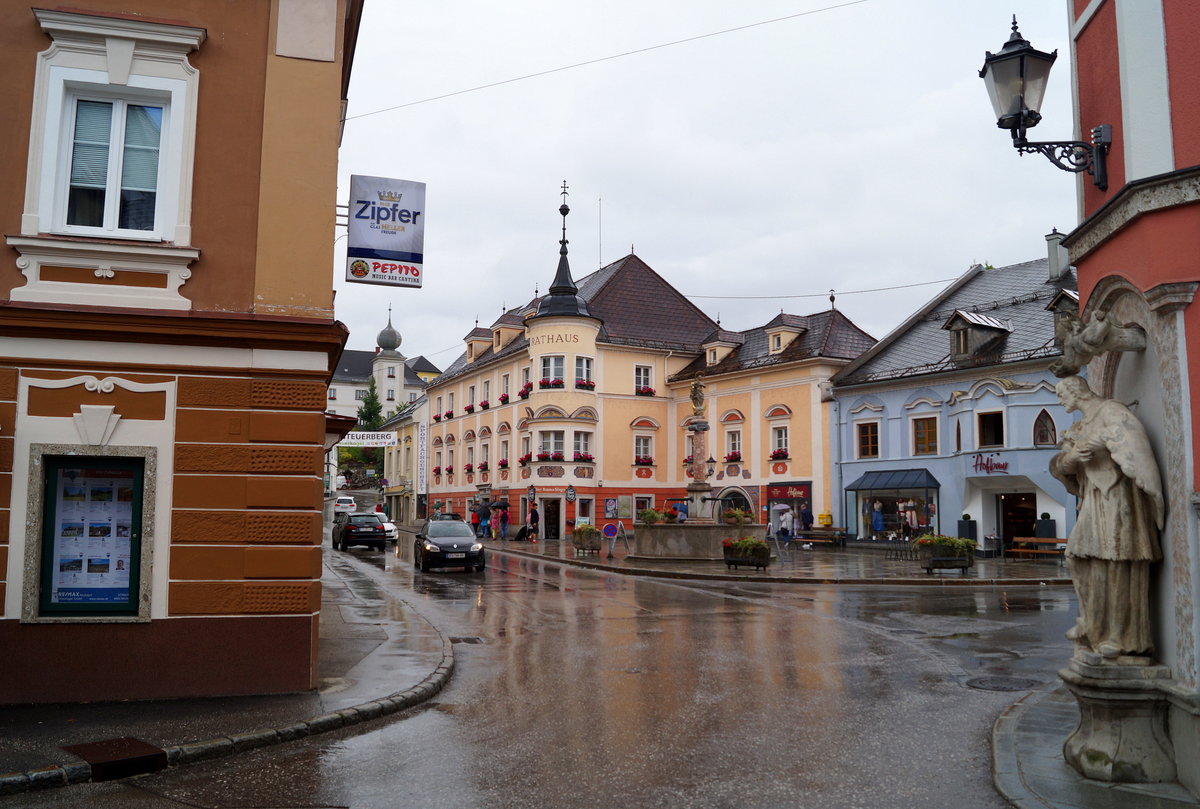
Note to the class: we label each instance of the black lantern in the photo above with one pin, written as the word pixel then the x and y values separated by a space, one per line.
pixel 1016 80
pixel 710 466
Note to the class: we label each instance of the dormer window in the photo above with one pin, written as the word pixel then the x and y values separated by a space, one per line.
pixel 712 356
pixel 971 331
pixel 776 342
pixel 960 341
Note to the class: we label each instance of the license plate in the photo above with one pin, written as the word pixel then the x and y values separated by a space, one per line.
pixel 456 556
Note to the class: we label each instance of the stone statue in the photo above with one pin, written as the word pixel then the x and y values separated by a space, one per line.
pixel 1081 343
pixel 1106 460
pixel 697 395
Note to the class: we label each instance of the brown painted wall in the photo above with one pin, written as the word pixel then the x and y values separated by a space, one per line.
pixel 73 662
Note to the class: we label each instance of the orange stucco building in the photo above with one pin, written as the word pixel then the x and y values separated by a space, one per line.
pixel 166 342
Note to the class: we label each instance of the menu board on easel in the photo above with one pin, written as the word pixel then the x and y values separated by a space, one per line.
pixel 91 536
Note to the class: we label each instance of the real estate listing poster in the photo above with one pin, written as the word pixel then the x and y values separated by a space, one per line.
pixel 92 535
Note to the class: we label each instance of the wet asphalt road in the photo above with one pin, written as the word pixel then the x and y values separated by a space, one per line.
pixel 578 689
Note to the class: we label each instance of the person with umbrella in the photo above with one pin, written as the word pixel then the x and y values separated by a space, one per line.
pixel 786 518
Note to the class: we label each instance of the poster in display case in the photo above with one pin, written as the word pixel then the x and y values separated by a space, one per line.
pixel 91 536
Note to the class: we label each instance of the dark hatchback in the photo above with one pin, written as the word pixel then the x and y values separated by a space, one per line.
pixel 359 528
pixel 447 543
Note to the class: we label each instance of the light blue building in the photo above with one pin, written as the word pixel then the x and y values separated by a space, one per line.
pixel 954 413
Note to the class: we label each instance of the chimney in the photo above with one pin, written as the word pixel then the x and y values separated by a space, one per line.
pixel 1057 256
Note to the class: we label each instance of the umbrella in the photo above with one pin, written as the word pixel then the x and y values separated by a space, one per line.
pixel 499 504
pixel 781 507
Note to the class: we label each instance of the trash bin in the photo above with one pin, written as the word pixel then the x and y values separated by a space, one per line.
pixel 991 547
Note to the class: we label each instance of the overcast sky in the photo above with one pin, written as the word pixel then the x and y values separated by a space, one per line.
pixel 851 148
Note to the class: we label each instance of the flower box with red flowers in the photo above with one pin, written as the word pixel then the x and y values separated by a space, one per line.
pixel 503 398
pixel 543 456
pixel 468 468
pixel 546 382
pixel 469 409
pixel 437 416
pixel 525 459
pixel 483 466
pixel 502 463
pixel 484 405
pixel 779 455
pixel 585 384
pixel 449 414
pixel 437 470
pixel 556 456
pixel 583 457
pixel 688 460
pixel 644 390
pixel 733 457
pixel 643 460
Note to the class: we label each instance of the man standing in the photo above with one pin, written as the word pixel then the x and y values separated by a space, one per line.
pixel 534 520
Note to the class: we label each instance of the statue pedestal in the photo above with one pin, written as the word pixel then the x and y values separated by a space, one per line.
pixel 1122 733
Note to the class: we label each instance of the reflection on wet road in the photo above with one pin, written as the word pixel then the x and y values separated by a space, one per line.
pixel 581 689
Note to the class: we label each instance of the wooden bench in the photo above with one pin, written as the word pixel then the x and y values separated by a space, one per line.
pixel 835 537
pixel 1045 547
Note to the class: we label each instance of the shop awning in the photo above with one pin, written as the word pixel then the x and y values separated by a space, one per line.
pixel 895 479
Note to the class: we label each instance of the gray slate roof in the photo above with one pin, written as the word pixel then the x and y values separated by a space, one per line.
pixel 354 367
pixel 1016 294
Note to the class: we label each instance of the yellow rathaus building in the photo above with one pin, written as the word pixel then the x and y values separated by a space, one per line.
pixel 579 403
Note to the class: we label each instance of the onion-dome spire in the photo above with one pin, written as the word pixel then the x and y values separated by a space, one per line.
pixel 563 298
pixel 389 338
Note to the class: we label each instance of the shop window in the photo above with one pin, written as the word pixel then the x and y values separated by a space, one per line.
pixel 867 439
pixel 925 436
pixel 91 542
pixel 991 429
pixel 1044 432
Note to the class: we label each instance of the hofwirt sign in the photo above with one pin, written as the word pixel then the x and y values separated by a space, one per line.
pixel 386 232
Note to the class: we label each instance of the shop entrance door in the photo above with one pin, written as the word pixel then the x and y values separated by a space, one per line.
pixel 1017 514
pixel 551 517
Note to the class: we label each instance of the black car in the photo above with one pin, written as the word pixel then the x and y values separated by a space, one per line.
pixel 447 543
pixel 359 528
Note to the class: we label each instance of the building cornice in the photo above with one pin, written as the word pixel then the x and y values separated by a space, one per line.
pixel 1137 198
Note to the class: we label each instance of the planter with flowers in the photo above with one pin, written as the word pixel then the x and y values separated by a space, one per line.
pixel 483 466
pixel 779 455
pixel 503 398
pixel 502 463
pixel 525 459
pixel 585 384
pixel 643 460
pixel 437 416
pixel 643 390
pixel 649 516
pixel 733 457
pixel 586 538
pixel 468 468
pixel 583 457
pixel 543 456
pixel 941 552
pixel 469 408
pixel 437 471
pixel 557 456
pixel 746 551
pixel 449 414
pixel 525 390
pixel 736 516
pixel 485 404
pixel 547 382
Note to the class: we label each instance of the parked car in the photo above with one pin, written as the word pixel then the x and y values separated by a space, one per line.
pixel 358 528
pixel 389 528
pixel 447 543
pixel 344 505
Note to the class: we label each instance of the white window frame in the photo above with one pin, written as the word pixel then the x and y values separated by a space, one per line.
pixel 583 441
pixel 733 441
pixel 470 394
pixel 643 372
pixel 549 362
pixel 643 446
pixel 360 394
pixel 391 372
pixel 487 391
pixel 779 437
pixel 504 450
pixel 391 394
pixel 583 367
pixel 551 440
pixel 504 384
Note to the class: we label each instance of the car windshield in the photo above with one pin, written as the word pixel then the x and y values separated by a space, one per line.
pixel 449 529
pixel 364 519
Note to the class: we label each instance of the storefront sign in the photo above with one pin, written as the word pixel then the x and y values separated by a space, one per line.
pixel 789 491
pixel 989 465
pixel 386 232
pixel 357 438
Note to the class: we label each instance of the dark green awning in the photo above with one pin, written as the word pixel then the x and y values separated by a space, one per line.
pixel 895 479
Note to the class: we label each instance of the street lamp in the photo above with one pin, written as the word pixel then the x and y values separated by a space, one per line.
pixel 1016 83
pixel 710 467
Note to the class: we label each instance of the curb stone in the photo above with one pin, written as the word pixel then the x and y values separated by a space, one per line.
pixel 57 775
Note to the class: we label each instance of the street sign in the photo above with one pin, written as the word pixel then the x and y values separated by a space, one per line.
pixel 532 492
pixel 570 494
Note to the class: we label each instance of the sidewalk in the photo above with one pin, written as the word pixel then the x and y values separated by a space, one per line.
pixel 372 662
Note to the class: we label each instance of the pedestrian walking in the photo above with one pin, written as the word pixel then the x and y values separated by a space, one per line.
pixel 484 521
pixel 785 525
pixel 806 517
pixel 534 522
pixel 504 523
pixel 475 521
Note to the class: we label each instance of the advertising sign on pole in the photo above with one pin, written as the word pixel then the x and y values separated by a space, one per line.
pixel 386 232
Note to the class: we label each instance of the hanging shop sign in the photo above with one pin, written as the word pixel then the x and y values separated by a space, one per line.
pixel 359 438
pixel 386 232
pixel 790 491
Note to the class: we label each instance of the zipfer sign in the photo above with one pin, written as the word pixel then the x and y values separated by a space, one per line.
pixel 386 232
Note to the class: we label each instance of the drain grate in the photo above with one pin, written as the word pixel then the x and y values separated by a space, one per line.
pixel 1002 683
pixel 466 640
